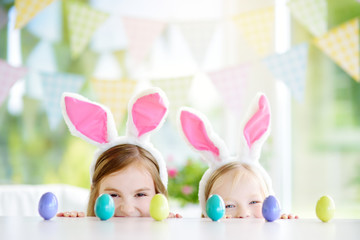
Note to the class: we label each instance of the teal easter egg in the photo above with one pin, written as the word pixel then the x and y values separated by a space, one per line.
pixel 325 208
pixel 159 207
pixel 215 207
pixel 104 207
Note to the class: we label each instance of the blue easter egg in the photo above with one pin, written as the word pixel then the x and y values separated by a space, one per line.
pixel 271 209
pixel 48 205
pixel 104 207
pixel 215 207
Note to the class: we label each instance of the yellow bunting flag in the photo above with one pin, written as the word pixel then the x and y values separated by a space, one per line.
pixel 141 34
pixel 311 13
pixel 114 94
pixel 257 27
pixel 341 44
pixel 27 9
pixel 82 21
pixel 177 90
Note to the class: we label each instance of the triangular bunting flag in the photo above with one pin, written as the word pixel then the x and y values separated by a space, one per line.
pixel 54 84
pixel 27 9
pixel 198 36
pixel 290 67
pixel 311 13
pixel 8 76
pixel 257 27
pixel 341 44
pixel 42 58
pixel 48 24
pixel 3 18
pixel 141 34
pixel 115 94
pixel 231 84
pixel 82 23
pixel 177 90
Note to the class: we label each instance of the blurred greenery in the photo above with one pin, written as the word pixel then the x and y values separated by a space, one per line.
pixel 184 181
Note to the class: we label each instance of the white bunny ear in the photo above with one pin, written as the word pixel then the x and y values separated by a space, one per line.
pixel 256 128
pixel 199 134
pixel 88 120
pixel 147 113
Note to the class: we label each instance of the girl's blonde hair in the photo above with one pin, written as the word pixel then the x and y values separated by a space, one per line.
pixel 117 158
pixel 243 170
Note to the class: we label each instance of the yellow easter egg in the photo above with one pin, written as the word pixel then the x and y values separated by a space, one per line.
pixel 159 207
pixel 325 208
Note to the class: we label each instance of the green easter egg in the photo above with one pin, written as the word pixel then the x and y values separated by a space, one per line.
pixel 159 207
pixel 325 208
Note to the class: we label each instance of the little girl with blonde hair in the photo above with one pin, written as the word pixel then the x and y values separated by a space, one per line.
pixel 241 181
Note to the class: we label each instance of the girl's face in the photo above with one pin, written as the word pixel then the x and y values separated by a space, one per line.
pixel 243 198
pixel 132 189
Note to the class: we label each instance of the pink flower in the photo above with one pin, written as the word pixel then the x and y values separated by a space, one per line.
pixel 172 172
pixel 187 189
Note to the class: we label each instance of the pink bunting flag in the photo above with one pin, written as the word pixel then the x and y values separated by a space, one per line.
pixel 8 76
pixel 141 34
pixel 231 84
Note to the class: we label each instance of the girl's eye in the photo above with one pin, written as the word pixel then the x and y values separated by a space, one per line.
pixel 254 202
pixel 114 195
pixel 230 206
pixel 140 195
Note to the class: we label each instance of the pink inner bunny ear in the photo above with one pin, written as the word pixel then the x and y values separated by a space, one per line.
pixel 195 131
pixel 259 122
pixel 147 112
pixel 87 118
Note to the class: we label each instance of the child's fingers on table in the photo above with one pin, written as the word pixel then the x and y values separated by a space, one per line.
pixel 289 216
pixel 81 214
pixel 60 214
pixel 73 214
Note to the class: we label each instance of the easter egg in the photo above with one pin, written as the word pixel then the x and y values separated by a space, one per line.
pixel 325 208
pixel 271 209
pixel 104 207
pixel 215 207
pixel 159 207
pixel 48 205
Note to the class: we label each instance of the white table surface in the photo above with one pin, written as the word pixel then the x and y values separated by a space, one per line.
pixel 185 229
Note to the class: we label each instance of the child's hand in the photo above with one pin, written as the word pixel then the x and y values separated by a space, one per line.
pixel 173 215
pixel 71 214
pixel 288 216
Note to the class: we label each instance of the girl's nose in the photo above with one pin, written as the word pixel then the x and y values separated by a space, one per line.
pixel 242 212
pixel 126 209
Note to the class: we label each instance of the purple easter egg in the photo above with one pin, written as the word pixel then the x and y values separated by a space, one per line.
pixel 48 205
pixel 271 209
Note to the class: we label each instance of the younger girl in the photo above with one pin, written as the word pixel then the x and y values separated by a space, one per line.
pixel 241 181
pixel 127 167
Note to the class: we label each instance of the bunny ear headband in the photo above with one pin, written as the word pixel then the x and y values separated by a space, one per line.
pixel 95 124
pixel 201 137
